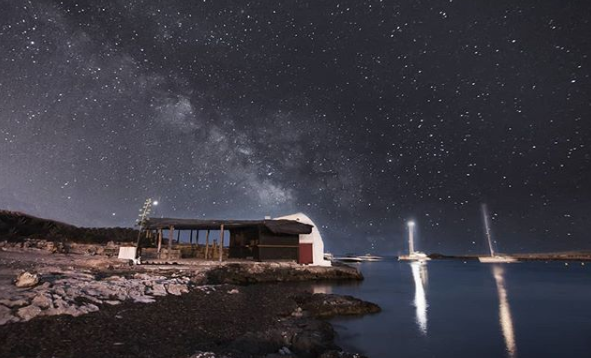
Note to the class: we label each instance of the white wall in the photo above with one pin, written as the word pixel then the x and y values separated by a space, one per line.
pixel 314 238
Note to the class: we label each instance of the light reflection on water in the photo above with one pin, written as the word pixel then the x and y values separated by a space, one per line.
pixel 420 277
pixel 505 318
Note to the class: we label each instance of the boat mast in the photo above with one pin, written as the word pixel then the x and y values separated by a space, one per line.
pixel 411 244
pixel 487 229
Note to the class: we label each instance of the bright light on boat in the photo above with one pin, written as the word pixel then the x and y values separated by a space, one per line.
pixel 411 223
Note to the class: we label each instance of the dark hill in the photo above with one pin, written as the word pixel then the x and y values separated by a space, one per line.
pixel 16 226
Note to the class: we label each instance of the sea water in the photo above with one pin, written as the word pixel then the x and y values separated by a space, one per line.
pixel 456 309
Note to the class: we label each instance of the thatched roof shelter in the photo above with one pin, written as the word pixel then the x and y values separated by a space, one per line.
pixel 291 227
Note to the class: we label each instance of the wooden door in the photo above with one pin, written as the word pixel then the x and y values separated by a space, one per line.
pixel 305 255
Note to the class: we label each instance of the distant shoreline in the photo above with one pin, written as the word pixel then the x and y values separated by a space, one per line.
pixel 549 256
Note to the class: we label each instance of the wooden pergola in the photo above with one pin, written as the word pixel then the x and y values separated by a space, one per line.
pixel 279 227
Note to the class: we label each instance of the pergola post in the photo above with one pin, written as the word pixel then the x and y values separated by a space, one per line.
pixel 159 242
pixel 206 244
pixel 221 242
pixel 170 238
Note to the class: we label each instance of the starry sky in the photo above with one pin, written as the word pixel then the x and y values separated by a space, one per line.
pixel 361 114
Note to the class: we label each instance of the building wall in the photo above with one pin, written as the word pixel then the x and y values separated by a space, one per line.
pixel 242 242
pixel 263 245
pixel 314 238
pixel 277 246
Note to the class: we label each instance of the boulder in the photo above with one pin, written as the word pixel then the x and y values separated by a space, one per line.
pixel 158 289
pixel 6 315
pixel 313 338
pixel 324 305
pixel 19 302
pixel 89 307
pixel 26 279
pixel 176 289
pixel 204 355
pixel 43 287
pixel 143 299
pixel 62 307
pixel 340 354
pixel 28 312
pixel 42 301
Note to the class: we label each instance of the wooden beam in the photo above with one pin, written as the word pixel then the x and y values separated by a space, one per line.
pixel 221 242
pixel 170 238
pixel 137 245
pixel 159 242
pixel 206 244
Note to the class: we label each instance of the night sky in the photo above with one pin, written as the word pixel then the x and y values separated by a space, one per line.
pixel 361 114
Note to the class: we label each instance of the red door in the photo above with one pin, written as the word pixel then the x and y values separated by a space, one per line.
pixel 305 256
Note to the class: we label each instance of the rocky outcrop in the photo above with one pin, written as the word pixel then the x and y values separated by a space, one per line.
pixel 301 334
pixel 75 294
pixel 256 272
pixel 108 249
pixel 323 305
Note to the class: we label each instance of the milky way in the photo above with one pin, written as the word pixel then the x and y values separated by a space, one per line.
pixel 361 114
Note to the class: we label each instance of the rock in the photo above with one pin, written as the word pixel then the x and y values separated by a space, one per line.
pixel 14 303
pixel 327 305
pixel 113 278
pixel 143 299
pixel 112 302
pixel 91 299
pixel 26 279
pixel 204 355
pixel 176 289
pixel 314 338
pixel 142 276
pixel 233 291
pixel 42 301
pixel 158 289
pixel 284 351
pixel 255 344
pixel 28 312
pixel 6 315
pixel 60 291
pixel 62 307
pixel 340 354
pixel 44 287
pixel 297 312
pixel 235 273
pixel 87 308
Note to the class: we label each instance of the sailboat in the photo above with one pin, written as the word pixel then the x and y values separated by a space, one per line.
pixel 412 254
pixel 371 258
pixel 494 257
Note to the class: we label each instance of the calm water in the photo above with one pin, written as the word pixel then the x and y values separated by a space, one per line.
pixel 452 309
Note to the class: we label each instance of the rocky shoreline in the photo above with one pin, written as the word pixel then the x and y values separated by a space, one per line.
pixel 209 310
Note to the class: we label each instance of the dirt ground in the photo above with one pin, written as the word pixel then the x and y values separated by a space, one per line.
pixel 254 320
pixel 173 326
